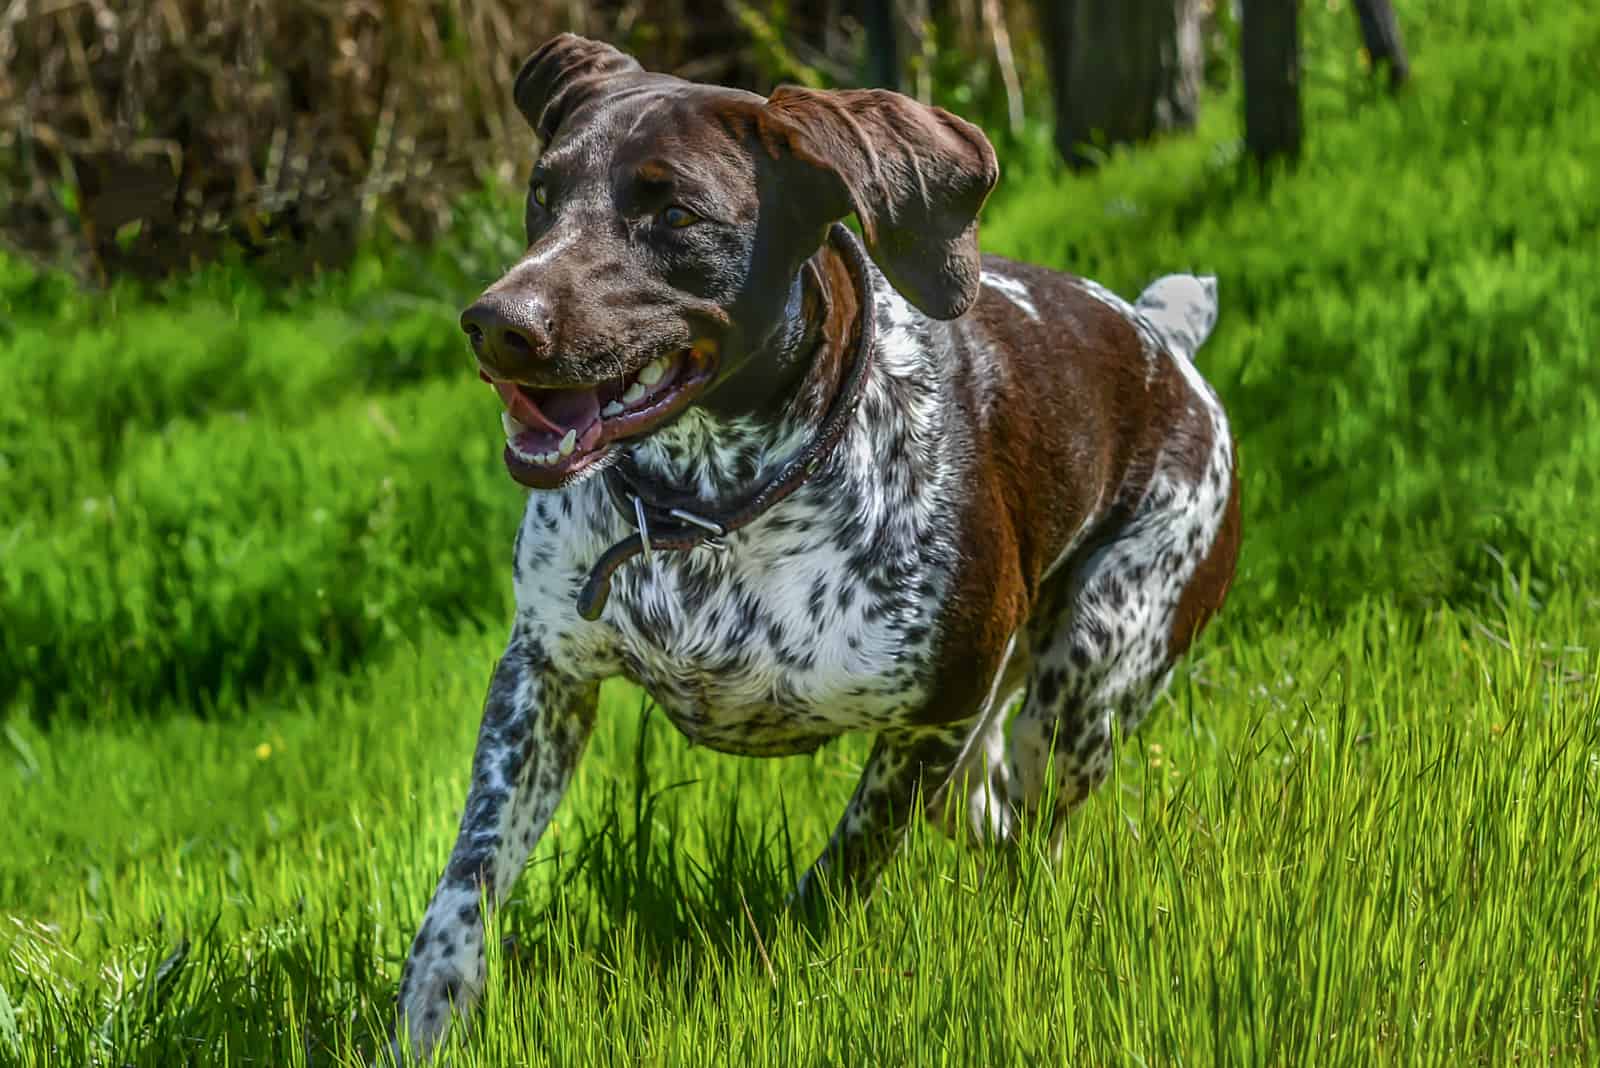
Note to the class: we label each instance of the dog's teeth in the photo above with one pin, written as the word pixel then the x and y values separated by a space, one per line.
pixel 611 409
pixel 633 394
pixel 652 373
pixel 512 427
pixel 552 457
pixel 569 442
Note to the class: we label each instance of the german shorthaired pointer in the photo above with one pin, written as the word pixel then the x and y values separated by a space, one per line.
pixel 794 493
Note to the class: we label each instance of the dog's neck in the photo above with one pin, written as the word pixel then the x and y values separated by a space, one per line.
pixel 761 417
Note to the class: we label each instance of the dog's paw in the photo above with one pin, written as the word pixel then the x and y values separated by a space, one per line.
pixel 427 1010
pixel 445 972
pixel 441 983
pixel 398 1053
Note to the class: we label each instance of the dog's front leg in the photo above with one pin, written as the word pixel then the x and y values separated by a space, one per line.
pixel 902 765
pixel 535 725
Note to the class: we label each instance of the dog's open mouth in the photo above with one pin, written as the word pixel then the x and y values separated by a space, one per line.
pixel 554 434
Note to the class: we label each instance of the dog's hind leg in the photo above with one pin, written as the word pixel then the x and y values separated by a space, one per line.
pixel 906 765
pixel 1127 612
pixel 535 725
pixel 972 804
pixel 1104 658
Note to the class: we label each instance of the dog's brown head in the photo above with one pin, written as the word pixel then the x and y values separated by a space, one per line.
pixel 667 225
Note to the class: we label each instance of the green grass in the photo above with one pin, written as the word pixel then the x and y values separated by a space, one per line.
pixel 253 576
pixel 1335 843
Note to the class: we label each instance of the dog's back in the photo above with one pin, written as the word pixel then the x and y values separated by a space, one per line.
pixel 1097 396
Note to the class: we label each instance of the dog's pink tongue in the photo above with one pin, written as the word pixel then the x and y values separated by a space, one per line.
pixel 573 409
pixel 522 408
pixel 558 410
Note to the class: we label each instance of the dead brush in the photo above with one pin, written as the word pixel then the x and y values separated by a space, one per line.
pixel 143 136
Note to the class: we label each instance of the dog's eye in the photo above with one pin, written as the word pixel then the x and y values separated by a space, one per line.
pixel 678 217
pixel 541 196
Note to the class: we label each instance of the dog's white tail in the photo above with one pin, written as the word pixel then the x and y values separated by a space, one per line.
pixel 1183 309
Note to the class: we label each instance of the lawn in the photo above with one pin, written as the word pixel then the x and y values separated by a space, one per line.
pixel 254 574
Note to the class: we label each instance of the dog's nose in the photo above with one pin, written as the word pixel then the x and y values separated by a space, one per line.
pixel 506 331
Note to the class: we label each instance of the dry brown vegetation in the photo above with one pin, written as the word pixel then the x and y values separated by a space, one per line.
pixel 147 134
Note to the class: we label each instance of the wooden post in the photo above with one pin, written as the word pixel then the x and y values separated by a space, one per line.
pixel 1121 70
pixel 1270 42
pixel 883 44
pixel 1380 32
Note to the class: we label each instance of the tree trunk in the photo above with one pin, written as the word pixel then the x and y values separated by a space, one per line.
pixel 1121 70
pixel 1270 41
pixel 1380 32
pixel 883 44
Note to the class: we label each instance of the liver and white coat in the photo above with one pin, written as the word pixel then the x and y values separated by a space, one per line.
pixel 1034 495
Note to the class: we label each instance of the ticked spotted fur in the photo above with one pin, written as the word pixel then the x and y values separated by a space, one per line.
pixel 1035 499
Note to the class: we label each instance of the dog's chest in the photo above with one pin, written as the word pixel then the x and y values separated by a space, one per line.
pixel 808 624
pixel 792 635
pixel 819 618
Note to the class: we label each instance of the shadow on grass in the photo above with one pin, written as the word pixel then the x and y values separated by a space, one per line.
pixel 629 890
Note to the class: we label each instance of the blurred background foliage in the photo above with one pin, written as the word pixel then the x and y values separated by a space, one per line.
pixel 144 136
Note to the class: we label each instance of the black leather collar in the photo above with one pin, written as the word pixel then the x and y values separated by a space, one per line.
pixel 677 523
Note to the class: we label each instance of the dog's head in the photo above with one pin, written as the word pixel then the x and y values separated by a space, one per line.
pixel 667 225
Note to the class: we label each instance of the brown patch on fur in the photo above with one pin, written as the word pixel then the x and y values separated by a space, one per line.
pixel 915 176
pixel 561 75
pixel 1068 425
pixel 989 602
pixel 653 171
pixel 830 303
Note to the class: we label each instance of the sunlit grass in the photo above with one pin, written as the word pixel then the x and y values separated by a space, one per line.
pixel 1332 840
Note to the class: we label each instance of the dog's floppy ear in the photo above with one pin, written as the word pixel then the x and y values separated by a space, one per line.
pixel 565 71
pixel 915 176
